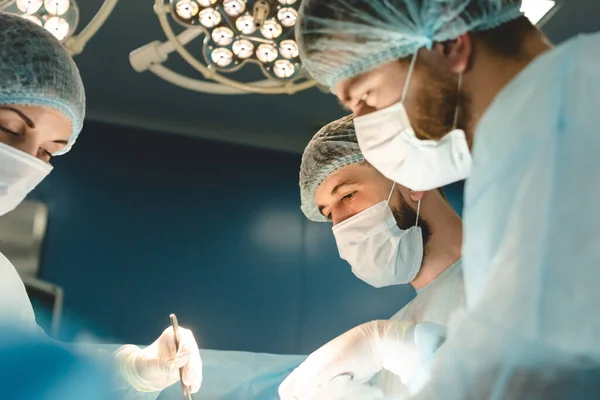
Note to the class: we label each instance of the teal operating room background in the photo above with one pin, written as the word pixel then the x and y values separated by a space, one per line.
pixel 143 224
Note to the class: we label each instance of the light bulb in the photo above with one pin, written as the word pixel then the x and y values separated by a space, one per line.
pixel 245 24
pixel 209 17
pixel 186 9
pixel 287 2
pixel 243 48
pixel 29 6
pixel 271 29
pixel 222 36
pixel 283 69
pixel 234 7
pixel 288 17
pixel 33 19
pixel 266 53
pixel 207 3
pixel 222 57
pixel 57 7
pixel 58 26
pixel 288 49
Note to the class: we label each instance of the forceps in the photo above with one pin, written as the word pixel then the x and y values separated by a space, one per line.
pixel 175 326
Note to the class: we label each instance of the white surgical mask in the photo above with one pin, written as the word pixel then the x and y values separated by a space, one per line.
pixel 388 142
pixel 20 173
pixel 380 253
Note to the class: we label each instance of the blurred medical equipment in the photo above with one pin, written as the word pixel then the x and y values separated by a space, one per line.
pixel 236 34
pixel 60 17
pixel 22 233
pixel 175 326
pixel 32 367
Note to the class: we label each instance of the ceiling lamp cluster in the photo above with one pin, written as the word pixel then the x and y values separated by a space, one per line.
pixel 60 17
pixel 236 33
pixel 239 31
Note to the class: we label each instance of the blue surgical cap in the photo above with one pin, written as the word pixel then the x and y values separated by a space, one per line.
pixel 37 70
pixel 334 147
pixel 340 39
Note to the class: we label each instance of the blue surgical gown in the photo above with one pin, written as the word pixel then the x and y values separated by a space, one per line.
pixel 531 246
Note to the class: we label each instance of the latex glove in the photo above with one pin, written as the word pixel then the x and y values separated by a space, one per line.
pixel 359 353
pixel 157 366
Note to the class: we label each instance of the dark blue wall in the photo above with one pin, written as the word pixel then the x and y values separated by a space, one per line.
pixel 142 225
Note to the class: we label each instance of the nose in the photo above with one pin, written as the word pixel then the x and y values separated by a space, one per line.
pixel 338 216
pixel 27 146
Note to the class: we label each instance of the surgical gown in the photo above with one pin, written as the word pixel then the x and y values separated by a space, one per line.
pixel 532 240
pixel 434 303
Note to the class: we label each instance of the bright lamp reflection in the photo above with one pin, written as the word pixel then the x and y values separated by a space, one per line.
pixel 33 19
pixel 271 29
pixel 288 49
pixel 187 9
pixel 287 16
pixel 58 26
pixel 222 57
pixel 209 17
pixel 222 36
pixel 245 24
pixel 266 53
pixel 234 7
pixel 57 7
pixel 284 69
pixel 243 48
pixel 29 6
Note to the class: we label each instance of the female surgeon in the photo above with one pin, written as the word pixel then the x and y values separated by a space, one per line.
pixel 42 108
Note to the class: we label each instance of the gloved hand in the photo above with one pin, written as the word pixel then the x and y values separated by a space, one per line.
pixel 157 366
pixel 359 353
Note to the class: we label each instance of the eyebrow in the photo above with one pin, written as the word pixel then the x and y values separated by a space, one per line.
pixel 24 117
pixel 335 190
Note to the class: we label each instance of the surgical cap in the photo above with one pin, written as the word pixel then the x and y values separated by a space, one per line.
pixel 340 39
pixel 37 70
pixel 334 147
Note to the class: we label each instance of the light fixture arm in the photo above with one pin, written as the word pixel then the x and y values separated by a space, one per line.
pixel 75 44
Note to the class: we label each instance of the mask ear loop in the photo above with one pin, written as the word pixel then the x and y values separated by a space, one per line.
pixel 457 110
pixel 408 78
pixel 391 193
pixel 418 212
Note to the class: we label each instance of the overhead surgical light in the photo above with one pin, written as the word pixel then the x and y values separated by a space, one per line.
pixel 536 10
pixel 236 34
pixel 60 17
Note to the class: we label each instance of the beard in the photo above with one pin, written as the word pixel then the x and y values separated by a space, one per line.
pixel 406 218
pixel 436 106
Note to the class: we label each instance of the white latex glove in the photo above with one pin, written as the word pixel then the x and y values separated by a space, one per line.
pixel 359 353
pixel 157 366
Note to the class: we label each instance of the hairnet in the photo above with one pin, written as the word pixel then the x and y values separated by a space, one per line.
pixel 37 70
pixel 340 39
pixel 335 146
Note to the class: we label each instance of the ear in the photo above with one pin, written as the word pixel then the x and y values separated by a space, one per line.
pixel 458 52
pixel 416 196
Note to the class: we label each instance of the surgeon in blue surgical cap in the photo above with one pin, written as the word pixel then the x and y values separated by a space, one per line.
pixel 42 107
pixel 444 90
